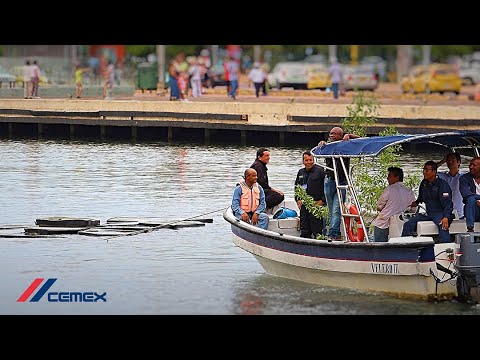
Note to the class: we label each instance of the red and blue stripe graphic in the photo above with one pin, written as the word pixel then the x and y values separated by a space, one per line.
pixel 33 286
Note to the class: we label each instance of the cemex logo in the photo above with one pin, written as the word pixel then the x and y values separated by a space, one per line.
pixel 64 296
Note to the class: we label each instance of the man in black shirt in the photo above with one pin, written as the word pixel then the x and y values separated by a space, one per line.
pixel 273 197
pixel 311 179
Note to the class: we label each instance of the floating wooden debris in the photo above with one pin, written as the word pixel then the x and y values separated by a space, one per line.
pixel 118 226
pixel 7 227
pixel 43 230
pixel 60 221
pixel 18 233
pixel 110 232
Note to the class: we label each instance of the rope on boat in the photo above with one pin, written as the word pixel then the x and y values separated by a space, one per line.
pixel 167 224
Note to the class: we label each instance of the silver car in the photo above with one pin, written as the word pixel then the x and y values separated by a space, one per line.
pixel 359 78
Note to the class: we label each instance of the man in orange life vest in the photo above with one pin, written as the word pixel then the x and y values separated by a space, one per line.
pixel 248 203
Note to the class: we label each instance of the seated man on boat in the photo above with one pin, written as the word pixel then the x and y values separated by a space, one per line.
pixel 330 187
pixel 452 177
pixel 273 196
pixel 437 196
pixel 394 199
pixel 311 178
pixel 248 203
pixel 470 190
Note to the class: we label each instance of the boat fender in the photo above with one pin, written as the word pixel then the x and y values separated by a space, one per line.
pixel 360 235
pixel 284 213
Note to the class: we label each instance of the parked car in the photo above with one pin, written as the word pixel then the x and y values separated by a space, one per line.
pixel 432 78
pixel 470 72
pixel 289 74
pixel 377 64
pixel 359 78
pixel 6 77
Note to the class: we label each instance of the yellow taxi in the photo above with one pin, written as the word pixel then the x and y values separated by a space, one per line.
pixel 318 77
pixel 432 78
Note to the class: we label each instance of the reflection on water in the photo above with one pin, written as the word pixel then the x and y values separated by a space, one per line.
pixel 185 271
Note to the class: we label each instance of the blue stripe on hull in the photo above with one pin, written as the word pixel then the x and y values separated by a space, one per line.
pixel 343 251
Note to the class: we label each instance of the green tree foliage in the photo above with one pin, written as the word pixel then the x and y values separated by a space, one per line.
pixel 141 51
pixel 369 176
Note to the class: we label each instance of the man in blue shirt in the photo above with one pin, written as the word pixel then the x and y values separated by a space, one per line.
pixel 437 196
pixel 248 203
pixel 470 190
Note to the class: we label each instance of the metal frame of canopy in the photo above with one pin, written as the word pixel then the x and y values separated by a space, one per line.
pixel 373 146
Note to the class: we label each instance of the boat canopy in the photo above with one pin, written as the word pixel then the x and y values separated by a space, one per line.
pixel 373 146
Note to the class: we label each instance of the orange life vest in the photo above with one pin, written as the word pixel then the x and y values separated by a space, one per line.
pixel 250 198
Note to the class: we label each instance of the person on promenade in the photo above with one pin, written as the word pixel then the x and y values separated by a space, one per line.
pixel 331 195
pixel 248 203
pixel 195 72
pixel 226 75
pixel 257 76
pixel 108 80
pixel 437 196
pixel 394 199
pixel 27 80
pixel 173 73
pixel 469 185
pixel 233 70
pixel 35 79
pixel 311 179
pixel 336 76
pixel 79 80
pixel 273 197
pixel 452 177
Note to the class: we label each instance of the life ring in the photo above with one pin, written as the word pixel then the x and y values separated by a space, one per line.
pixel 360 235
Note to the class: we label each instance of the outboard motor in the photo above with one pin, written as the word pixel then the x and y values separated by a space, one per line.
pixel 467 264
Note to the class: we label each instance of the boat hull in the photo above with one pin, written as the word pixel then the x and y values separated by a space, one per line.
pixel 403 269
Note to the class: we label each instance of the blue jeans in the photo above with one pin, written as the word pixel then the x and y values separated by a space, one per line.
pixel 380 235
pixel 471 211
pixel 411 225
pixel 234 86
pixel 335 90
pixel 262 220
pixel 174 91
pixel 333 204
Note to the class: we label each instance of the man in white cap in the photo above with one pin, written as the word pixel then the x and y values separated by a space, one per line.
pixel 257 76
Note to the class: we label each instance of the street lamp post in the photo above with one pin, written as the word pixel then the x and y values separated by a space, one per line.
pixel 161 70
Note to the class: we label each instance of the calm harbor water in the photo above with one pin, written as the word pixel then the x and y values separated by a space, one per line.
pixel 186 271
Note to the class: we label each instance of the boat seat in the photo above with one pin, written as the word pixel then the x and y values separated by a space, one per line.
pixel 290 226
pixel 430 228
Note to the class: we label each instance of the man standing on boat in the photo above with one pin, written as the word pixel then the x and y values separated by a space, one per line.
pixel 273 197
pixel 470 190
pixel 330 188
pixel 311 178
pixel 248 202
pixel 437 196
pixel 452 177
pixel 394 199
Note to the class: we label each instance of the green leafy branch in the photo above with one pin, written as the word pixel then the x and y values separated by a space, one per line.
pixel 320 212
